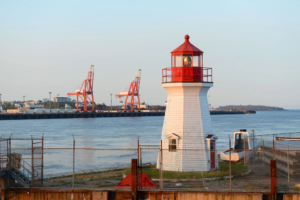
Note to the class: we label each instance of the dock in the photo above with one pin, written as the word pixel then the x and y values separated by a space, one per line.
pixel 21 116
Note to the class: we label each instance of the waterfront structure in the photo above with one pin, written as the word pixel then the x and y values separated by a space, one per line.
pixel 29 106
pixel 61 99
pixel 188 141
pixel 45 100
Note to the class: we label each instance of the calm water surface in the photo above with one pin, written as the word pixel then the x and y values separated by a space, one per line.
pixel 119 133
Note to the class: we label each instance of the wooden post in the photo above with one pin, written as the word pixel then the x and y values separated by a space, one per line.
pixel 273 179
pixel 134 178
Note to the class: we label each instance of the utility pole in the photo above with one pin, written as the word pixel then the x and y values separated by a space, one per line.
pixel 111 102
pixel 50 98
pixel 23 98
pixel 57 100
pixel 0 99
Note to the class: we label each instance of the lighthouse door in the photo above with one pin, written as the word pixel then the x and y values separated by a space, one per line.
pixel 212 154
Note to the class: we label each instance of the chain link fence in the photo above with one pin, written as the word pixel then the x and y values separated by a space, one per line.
pixel 158 169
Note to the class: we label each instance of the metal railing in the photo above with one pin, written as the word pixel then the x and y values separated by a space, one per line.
pixel 187 74
pixel 3 162
pixel 26 171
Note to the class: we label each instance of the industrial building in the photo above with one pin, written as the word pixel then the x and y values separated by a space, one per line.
pixel 61 99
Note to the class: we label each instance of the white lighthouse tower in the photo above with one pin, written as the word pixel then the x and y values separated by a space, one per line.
pixel 188 141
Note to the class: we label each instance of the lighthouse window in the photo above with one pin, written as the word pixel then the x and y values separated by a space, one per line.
pixel 178 61
pixel 195 61
pixel 172 144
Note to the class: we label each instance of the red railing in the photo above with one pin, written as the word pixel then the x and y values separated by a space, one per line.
pixel 187 74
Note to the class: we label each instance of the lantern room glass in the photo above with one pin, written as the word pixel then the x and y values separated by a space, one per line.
pixel 186 60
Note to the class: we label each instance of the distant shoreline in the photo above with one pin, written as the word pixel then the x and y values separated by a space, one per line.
pixel 249 107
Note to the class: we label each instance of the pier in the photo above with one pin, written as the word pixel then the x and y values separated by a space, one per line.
pixel 21 116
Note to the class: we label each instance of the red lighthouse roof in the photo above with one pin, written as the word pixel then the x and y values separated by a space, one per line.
pixel 187 48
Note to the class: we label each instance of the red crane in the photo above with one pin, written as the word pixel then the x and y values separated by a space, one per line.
pixel 132 91
pixel 85 89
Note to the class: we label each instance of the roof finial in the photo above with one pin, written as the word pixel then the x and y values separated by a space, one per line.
pixel 186 37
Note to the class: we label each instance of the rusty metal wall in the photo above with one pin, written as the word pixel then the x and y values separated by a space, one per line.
pixel 124 195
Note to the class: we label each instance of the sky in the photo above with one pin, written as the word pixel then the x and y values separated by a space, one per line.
pixel 252 46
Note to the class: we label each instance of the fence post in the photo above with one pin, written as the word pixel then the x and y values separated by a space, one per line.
pixel 141 170
pixel 230 165
pixel 273 149
pixel 73 179
pixel 138 151
pixel 161 165
pixel 244 151
pixel 42 172
pixel 264 157
pixel 10 160
pixel 288 162
pixel 32 163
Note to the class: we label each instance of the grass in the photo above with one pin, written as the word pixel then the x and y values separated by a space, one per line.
pixel 152 172
pixel 103 185
pixel 249 187
pixel 79 181
pixel 60 181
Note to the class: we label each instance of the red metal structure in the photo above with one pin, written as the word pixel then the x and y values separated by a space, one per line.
pixel 85 89
pixel 187 65
pixel 132 93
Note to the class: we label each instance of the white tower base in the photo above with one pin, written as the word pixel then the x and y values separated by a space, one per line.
pixel 187 120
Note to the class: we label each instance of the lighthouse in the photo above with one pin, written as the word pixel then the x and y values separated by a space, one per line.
pixel 188 141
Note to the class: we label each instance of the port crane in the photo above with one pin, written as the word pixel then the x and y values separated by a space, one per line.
pixel 132 93
pixel 85 90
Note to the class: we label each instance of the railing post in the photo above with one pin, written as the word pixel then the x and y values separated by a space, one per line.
pixel 202 71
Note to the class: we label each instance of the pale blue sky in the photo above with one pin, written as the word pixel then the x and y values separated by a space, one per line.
pixel 252 46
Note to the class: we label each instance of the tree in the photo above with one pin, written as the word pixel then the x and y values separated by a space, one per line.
pixel 8 105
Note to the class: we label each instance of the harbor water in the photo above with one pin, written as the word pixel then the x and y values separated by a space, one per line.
pixel 122 133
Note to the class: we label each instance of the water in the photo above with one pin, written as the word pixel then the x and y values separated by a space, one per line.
pixel 121 133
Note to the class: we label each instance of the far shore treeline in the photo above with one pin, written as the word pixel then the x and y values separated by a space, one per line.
pixel 248 107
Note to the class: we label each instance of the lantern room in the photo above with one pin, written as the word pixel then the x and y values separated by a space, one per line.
pixel 187 65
